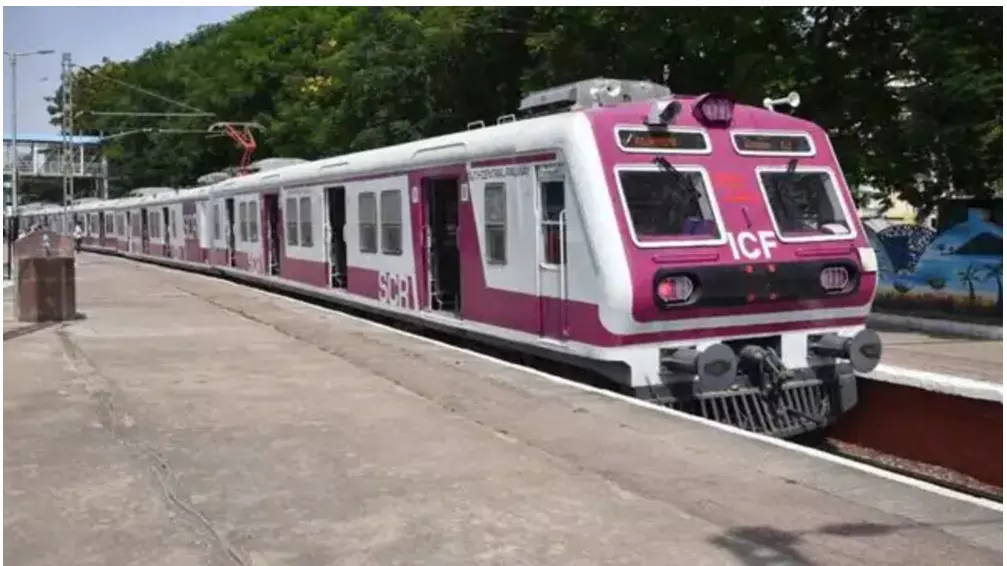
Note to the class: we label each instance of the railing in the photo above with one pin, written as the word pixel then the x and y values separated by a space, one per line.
pixel 53 167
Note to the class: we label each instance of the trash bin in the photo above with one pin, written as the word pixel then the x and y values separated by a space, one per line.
pixel 46 284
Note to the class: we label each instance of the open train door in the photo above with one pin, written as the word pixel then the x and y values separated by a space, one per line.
pixel 272 232
pixel 166 231
pixel 144 232
pixel 442 195
pixel 232 260
pixel 335 236
pixel 101 229
pixel 551 181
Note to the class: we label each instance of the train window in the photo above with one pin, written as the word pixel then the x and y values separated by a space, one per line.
pixel 670 203
pixel 496 223
pixel 253 221
pixel 305 216
pixel 243 221
pixel 368 210
pixel 553 196
pixel 290 211
pixel 391 222
pixel 804 203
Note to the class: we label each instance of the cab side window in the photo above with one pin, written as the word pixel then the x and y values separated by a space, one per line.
pixel 553 195
pixel 495 227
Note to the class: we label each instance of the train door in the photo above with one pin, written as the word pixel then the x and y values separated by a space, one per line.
pixel 229 226
pixel 336 236
pixel 144 232
pixel 441 251
pixel 553 285
pixel 272 234
pixel 166 228
pixel 101 229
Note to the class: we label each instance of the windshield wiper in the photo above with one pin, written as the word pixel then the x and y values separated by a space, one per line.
pixel 682 180
pixel 786 189
pixel 788 206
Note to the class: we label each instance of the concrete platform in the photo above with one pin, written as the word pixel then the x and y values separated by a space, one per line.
pixel 976 359
pixel 943 326
pixel 188 420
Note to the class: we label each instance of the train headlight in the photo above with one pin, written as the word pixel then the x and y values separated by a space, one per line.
pixel 674 289
pixel 834 279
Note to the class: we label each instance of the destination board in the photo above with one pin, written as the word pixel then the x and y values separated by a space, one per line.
pixel 662 140
pixel 773 143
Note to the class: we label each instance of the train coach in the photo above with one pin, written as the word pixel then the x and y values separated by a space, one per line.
pixel 695 251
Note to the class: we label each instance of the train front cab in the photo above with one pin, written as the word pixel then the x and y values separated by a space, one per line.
pixel 752 277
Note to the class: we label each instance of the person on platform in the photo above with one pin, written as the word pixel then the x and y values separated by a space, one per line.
pixel 78 236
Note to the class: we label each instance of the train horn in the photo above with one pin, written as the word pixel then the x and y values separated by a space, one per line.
pixel 863 349
pixel 716 366
pixel 793 100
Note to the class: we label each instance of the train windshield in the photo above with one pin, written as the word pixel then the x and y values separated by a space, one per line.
pixel 804 203
pixel 668 203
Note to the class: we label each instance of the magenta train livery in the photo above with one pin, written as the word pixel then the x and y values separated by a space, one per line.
pixel 696 252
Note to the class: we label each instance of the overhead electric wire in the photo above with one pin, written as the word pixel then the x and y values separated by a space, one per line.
pixel 150 114
pixel 145 91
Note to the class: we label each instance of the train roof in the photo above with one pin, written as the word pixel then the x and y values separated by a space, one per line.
pixel 469 145
pixel 507 137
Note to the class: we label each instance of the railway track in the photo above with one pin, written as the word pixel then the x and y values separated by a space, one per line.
pixel 818 440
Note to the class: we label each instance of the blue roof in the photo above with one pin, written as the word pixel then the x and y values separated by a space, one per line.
pixel 55 137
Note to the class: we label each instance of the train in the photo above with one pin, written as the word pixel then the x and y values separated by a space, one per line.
pixel 692 250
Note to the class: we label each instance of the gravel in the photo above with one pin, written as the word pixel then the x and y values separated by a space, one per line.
pixel 937 474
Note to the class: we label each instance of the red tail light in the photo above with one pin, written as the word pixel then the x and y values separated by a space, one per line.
pixel 834 279
pixel 674 289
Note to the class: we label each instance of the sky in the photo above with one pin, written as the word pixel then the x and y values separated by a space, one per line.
pixel 88 34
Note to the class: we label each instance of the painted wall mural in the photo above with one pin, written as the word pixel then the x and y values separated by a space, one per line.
pixel 955 272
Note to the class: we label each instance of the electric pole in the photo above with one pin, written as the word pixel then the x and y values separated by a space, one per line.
pixel 66 119
pixel 14 225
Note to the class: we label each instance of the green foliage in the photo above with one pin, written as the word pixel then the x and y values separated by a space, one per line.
pixel 911 96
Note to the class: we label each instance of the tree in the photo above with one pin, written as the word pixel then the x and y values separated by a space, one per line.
pixel 910 96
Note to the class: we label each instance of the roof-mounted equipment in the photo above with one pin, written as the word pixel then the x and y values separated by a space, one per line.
pixel 713 110
pixel 589 93
pixel 662 112
pixel 793 100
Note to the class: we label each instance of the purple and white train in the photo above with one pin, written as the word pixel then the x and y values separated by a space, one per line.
pixel 695 251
